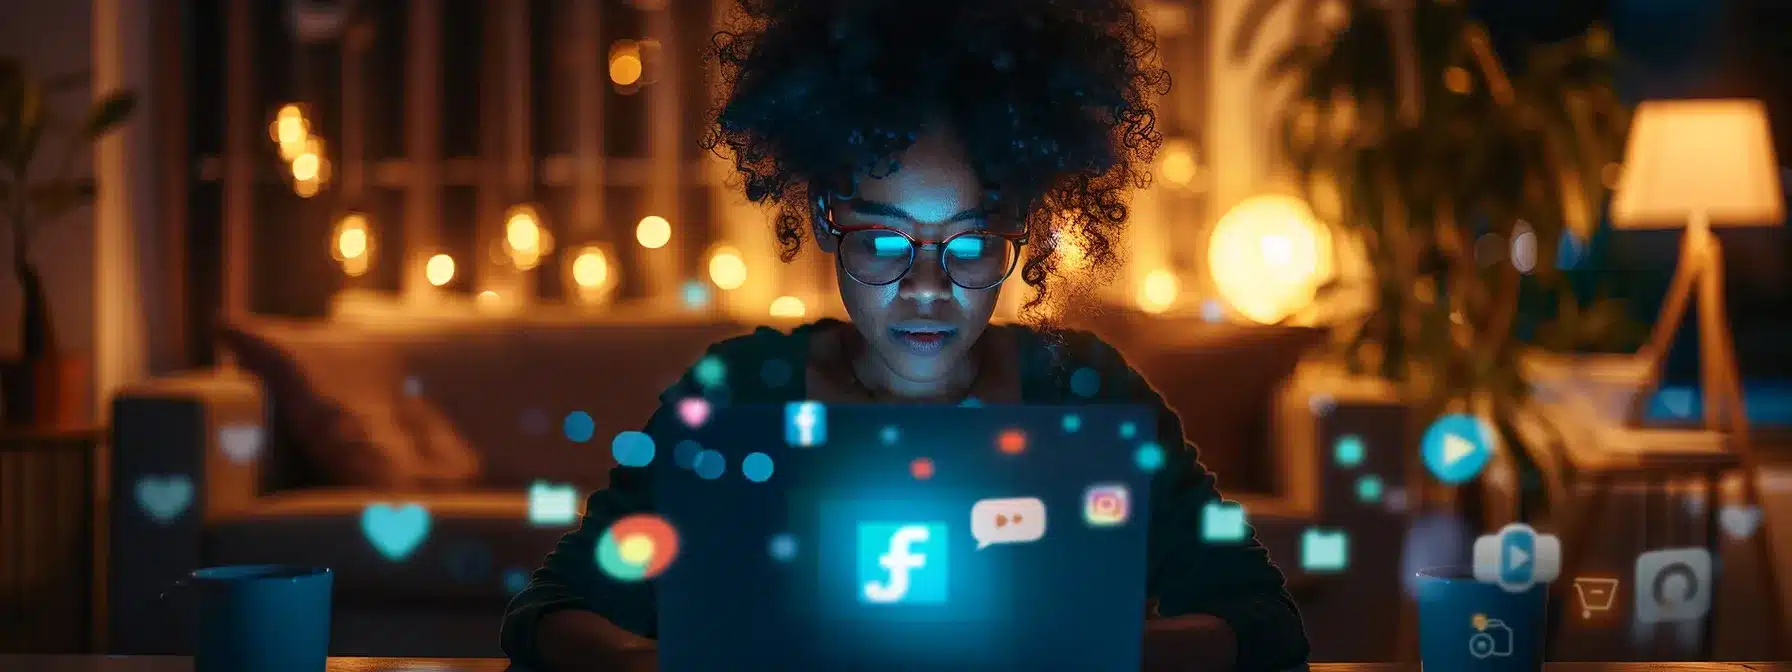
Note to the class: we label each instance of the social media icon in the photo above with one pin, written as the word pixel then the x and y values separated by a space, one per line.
pixel 553 504
pixel 805 424
pixel 1107 505
pixel 1324 551
pixel 1013 520
pixel 1491 638
pixel 1517 557
pixel 1673 585
pixel 903 563
pixel 1223 523
pixel 1457 447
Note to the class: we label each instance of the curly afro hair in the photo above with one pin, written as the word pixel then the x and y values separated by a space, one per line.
pixel 1051 98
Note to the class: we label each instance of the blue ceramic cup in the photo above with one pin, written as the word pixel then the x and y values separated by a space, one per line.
pixel 1466 624
pixel 268 618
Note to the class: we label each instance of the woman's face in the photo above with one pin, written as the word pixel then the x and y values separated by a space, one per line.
pixel 920 328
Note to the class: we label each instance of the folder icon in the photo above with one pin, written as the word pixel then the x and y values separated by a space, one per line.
pixel 1324 551
pixel 1223 523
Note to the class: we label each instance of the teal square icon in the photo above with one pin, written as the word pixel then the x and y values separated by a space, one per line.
pixel 1324 551
pixel 902 563
pixel 1223 523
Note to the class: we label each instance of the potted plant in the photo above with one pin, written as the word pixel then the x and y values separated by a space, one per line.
pixel 1430 145
pixel 38 385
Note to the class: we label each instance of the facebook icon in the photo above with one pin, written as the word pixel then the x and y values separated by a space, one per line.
pixel 805 424
pixel 902 563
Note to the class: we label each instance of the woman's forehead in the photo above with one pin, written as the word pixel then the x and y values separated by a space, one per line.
pixel 932 182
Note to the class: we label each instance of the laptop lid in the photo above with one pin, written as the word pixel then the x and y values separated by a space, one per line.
pixel 907 537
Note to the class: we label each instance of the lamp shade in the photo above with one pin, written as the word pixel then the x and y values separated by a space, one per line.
pixel 1690 157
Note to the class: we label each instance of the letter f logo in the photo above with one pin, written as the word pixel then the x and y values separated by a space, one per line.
pixel 902 563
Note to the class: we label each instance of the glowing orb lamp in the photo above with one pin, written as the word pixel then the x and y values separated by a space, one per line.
pixel 1268 256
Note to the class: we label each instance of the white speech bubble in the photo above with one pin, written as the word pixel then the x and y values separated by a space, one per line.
pixel 1013 520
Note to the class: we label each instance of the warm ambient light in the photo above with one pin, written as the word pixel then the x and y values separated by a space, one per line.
pixel 727 269
pixel 590 268
pixel 526 241
pixel 625 63
pixel 353 244
pixel 439 270
pixel 1179 166
pixel 653 232
pixel 1268 257
pixel 290 130
pixel 1159 291
pixel 788 307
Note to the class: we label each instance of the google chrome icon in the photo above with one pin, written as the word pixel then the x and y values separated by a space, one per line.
pixel 637 548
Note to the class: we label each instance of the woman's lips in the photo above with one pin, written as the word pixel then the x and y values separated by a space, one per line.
pixel 923 343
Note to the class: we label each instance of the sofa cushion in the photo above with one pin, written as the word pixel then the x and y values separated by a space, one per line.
pixel 339 396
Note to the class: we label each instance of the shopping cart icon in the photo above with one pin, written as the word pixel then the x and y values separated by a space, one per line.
pixel 1595 594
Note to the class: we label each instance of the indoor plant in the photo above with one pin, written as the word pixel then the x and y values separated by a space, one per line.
pixel 1432 143
pixel 33 196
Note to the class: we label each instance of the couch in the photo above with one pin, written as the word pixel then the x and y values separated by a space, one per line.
pixel 273 458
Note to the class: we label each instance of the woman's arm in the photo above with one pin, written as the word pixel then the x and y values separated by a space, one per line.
pixel 571 616
pixel 1230 601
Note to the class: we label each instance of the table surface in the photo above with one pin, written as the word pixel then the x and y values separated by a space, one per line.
pixel 180 664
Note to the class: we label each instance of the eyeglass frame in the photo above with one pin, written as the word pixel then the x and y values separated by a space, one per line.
pixel 824 214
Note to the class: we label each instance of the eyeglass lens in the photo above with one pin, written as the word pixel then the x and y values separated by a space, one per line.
pixel 971 260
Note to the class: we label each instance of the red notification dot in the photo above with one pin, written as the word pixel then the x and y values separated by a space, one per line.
pixel 921 468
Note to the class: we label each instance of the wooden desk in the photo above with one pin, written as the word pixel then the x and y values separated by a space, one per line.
pixel 177 664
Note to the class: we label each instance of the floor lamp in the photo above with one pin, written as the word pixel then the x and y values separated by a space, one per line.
pixel 1696 164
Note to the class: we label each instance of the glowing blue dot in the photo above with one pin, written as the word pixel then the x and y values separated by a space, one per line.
pixel 709 464
pixel 971 402
pixel 1128 430
pixel 696 295
pixel 757 467
pixel 1085 382
pixel 1350 450
pixel 890 435
pixel 1072 422
pixel 1368 489
pixel 579 427
pixel 710 371
pixel 515 580
pixel 1150 457
pixel 775 373
pixel 685 453
pixel 783 547
pixel 632 449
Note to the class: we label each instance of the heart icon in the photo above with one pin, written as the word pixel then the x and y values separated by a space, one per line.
pixel 694 411
pixel 240 443
pixel 395 531
pixel 164 498
pixel 1740 522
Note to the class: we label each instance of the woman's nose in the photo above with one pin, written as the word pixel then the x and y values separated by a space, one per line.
pixel 926 280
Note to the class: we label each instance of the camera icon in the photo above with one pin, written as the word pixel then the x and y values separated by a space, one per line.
pixel 1493 641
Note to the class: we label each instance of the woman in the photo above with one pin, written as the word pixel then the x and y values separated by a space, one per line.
pixel 934 148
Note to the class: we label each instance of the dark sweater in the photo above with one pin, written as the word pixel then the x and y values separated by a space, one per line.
pixel 1235 582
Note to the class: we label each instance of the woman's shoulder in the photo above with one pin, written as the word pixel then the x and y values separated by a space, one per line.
pixel 763 364
pixel 1081 362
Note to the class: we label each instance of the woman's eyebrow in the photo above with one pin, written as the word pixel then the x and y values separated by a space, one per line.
pixel 876 209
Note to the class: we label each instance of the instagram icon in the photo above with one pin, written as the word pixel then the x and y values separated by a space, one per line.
pixel 1106 505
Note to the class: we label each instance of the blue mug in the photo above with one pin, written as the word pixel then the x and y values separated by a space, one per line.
pixel 268 618
pixel 1465 624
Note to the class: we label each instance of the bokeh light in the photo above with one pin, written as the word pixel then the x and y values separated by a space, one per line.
pixel 1011 442
pixel 579 427
pixel 685 453
pixel 1350 450
pixel 1268 256
pixel 710 371
pixel 921 468
pixel 890 435
pixel 653 232
pixel 590 269
pixel 695 295
pixel 1072 422
pixel 1159 291
pixel 1085 382
pixel 439 270
pixel 788 307
pixel 353 244
pixel 626 66
pixel 637 548
pixel 757 467
pixel 782 547
pixel 709 465
pixel 1368 488
pixel 727 268
pixel 632 449
pixel 1150 457
pixel 1128 430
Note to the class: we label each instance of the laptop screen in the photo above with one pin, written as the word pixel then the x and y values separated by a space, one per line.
pixel 910 536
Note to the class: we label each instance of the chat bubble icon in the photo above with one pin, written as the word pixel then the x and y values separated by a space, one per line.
pixel 1012 520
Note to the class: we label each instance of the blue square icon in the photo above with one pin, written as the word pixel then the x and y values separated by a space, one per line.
pixel 805 424
pixel 902 563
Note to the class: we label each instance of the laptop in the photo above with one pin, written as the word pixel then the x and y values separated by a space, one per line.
pixel 906 537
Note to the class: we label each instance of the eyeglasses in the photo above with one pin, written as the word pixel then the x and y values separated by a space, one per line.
pixel 881 255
